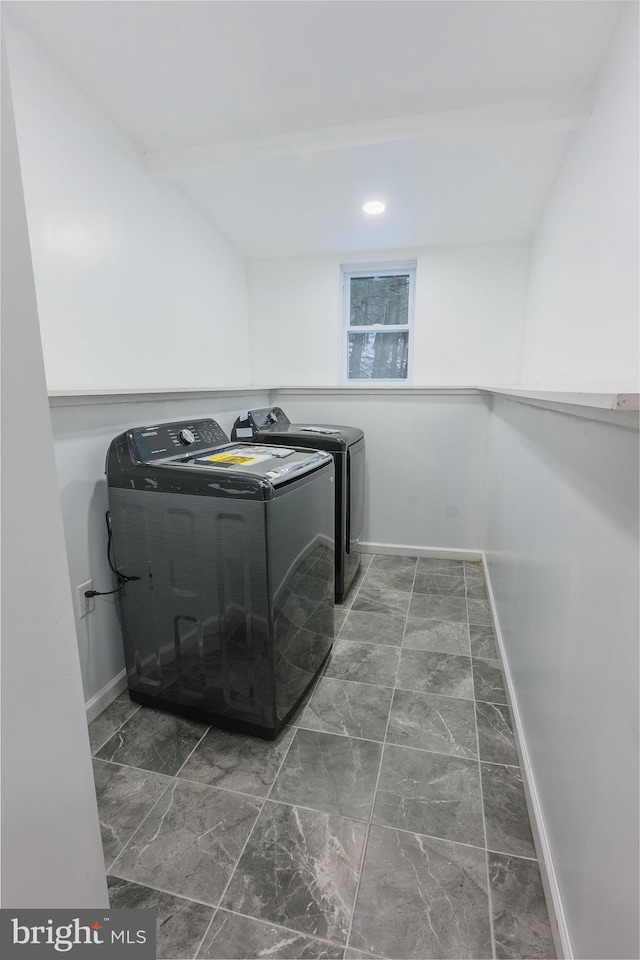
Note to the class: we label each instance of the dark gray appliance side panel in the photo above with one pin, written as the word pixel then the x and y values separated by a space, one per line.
pixel 356 493
pixel 300 543
pixel 132 554
pixel 201 638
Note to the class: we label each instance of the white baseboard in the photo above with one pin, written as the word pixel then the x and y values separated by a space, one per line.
pixel 435 553
pixel 559 927
pixel 107 695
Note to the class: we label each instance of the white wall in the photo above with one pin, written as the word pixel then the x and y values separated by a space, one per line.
pixel 561 542
pixel 469 316
pixel 425 462
pixel 135 287
pixel 82 435
pixel 51 850
pixel 583 312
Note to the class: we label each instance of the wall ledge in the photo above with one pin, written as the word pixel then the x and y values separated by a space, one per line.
pixel 619 409
pixel 70 398
pixel 603 400
pixel 609 407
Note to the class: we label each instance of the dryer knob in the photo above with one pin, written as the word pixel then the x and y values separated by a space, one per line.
pixel 187 436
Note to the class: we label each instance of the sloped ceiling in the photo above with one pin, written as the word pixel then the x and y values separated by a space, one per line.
pixel 280 118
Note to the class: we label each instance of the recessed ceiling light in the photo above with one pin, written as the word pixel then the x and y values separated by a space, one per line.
pixel 374 207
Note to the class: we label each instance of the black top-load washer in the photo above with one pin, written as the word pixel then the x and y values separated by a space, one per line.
pixel 225 552
pixel 346 445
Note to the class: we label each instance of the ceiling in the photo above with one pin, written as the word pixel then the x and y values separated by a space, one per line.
pixel 280 118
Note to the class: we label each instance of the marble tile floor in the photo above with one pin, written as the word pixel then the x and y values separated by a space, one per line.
pixel 387 821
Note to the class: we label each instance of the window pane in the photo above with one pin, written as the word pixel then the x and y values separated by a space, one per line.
pixel 378 356
pixel 379 300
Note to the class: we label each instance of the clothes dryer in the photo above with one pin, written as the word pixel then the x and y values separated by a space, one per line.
pixel 347 447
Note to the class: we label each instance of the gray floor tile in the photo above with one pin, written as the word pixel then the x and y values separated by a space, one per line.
pixel 330 773
pixel 364 662
pixel 440 636
pixel 349 709
pixel 483 642
pixel 438 608
pixel 105 725
pixel 495 734
pixel 430 794
pixel 439 724
pixel 439 585
pixel 430 566
pixel 421 897
pixel 505 811
pixel 476 590
pixel 428 672
pixel 488 681
pixel 352 954
pixel 392 563
pixel 189 843
pixel 473 570
pixel 520 920
pixel 373 628
pixel 396 573
pixel 154 741
pixel 378 598
pixel 231 937
pixel 479 612
pixel 299 869
pixel 180 923
pixel 125 796
pixel 237 761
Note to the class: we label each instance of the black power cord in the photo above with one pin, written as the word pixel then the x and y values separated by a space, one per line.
pixel 123 579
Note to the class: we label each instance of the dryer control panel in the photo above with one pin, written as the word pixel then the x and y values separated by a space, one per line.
pixel 156 441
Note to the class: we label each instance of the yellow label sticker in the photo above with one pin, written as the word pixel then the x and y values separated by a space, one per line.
pixel 233 458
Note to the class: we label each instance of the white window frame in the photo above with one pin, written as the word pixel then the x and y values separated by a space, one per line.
pixel 350 271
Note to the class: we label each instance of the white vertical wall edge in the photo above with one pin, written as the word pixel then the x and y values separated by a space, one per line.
pixel 107 695
pixel 559 927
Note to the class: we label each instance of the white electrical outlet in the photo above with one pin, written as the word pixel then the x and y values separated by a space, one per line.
pixel 85 604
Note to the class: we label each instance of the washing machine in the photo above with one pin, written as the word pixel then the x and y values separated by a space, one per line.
pixel 347 447
pixel 224 553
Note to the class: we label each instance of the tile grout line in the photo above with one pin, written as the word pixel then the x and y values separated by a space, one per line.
pixel 231 875
pixel 168 893
pixel 269 923
pixel 484 819
pixel 142 822
pixel 375 789
pixel 186 760
pixel 426 693
pixel 244 846
pixel 172 777
pixel 259 799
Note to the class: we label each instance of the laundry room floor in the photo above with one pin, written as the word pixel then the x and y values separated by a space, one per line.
pixel 388 820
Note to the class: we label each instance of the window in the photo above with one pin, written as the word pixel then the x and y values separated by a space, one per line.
pixel 378 321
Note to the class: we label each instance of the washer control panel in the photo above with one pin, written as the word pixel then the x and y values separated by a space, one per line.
pixel 167 439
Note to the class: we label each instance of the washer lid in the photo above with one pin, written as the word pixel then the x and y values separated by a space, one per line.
pixel 324 436
pixel 259 461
